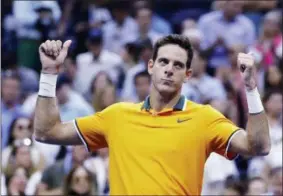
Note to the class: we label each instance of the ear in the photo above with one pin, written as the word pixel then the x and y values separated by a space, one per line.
pixel 150 66
pixel 188 75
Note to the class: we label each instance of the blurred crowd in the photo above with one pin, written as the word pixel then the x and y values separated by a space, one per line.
pixel 112 43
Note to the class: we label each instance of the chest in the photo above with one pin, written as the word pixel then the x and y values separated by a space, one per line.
pixel 160 135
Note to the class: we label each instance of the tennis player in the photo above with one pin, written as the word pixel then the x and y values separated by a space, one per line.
pixel 159 146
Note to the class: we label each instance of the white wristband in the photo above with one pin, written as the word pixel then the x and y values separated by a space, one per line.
pixel 254 102
pixel 47 85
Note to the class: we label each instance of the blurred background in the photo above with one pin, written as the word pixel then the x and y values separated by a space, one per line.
pixel 112 42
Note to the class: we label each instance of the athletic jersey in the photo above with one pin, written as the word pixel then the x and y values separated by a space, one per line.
pixel 157 153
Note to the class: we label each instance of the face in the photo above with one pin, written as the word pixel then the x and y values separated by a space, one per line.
pixel 144 18
pixel 23 157
pixel 63 93
pixel 101 82
pixel 274 75
pixel 71 68
pixel 80 182
pixel 257 187
pixel 276 183
pixel 169 70
pixel 232 8
pixel 142 86
pixel 109 96
pixel 18 180
pixel 95 48
pixel 22 129
pixel 274 104
pixel 79 153
pixel 10 90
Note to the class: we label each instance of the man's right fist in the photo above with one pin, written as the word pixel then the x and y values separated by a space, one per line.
pixel 52 55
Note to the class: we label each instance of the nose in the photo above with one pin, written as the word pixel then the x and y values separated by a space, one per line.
pixel 169 69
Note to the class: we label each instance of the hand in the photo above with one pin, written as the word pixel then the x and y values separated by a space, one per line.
pixel 52 55
pixel 246 65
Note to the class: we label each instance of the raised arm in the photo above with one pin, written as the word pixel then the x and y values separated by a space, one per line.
pixel 255 141
pixel 48 127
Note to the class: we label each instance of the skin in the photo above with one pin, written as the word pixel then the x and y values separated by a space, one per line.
pixel 168 72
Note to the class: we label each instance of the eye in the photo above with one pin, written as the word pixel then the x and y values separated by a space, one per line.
pixel 163 61
pixel 179 65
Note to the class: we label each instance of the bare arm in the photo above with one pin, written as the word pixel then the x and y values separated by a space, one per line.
pixel 48 127
pixel 256 140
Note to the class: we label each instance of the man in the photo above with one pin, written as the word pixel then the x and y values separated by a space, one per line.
pixel 166 139
pixel 142 85
pixel 10 102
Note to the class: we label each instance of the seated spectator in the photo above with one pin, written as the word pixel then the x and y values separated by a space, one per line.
pixel 70 69
pixel 79 181
pixel 275 181
pixel 220 34
pixel 10 102
pixel 105 98
pixel 95 60
pixel 195 36
pixel 122 29
pixel 21 156
pixel 21 131
pixel 128 93
pixel 272 78
pixel 143 18
pixel 16 183
pixel 53 177
pixel 198 88
pixel 131 55
pixel 270 39
pixel 142 83
pixel 99 166
pixel 256 186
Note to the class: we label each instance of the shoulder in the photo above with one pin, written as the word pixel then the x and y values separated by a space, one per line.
pixel 244 20
pixel 206 111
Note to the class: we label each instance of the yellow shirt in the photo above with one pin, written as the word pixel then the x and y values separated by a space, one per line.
pixel 157 153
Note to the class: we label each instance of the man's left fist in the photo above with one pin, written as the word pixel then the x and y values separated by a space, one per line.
pixel 246 66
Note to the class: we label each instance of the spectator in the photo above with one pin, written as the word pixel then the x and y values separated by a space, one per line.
pixel 105 98
pixel 275 179
pixel 70 69
pixel 256 186
pixel 122 29
pixel 21 131
pixel 128 92
pixel 79 182
pixel 3 185
pixel 131 55
pixel 272 78
pixel 94 61
pixel 143 17
pixel 224 28
pixel 195 36
pixel 11 107
pixel 198 88
pixel 270 39
pixel 17 182
pixel 99 166
pixel 142 83
pixel 53 177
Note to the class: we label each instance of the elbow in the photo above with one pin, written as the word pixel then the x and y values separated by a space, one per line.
pixel 263 150
pixel 39 136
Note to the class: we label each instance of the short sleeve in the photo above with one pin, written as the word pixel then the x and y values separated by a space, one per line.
pixel 219 133
pixel 93 129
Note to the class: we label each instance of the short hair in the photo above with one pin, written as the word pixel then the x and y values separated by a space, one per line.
pixel 269 93
pixel 175 39
pixel 141 74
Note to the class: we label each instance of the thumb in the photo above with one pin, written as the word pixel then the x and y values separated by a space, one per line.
pixel 66 45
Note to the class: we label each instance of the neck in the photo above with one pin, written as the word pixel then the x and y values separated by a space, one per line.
pixel 159 101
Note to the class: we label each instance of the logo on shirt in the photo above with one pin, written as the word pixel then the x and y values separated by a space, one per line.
pixel 183 120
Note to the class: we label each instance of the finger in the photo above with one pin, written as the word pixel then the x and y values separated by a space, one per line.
pixel 66 45
pixel 43 48
pixel 59 45
pixel 54 48
pixel 48 47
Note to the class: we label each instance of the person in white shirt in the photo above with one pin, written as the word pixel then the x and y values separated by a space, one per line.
pixel 95 60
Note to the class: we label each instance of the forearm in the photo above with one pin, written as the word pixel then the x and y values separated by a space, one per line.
pixel 258 134
pixel 46 117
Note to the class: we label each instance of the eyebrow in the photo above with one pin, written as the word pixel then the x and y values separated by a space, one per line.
pixel 179 62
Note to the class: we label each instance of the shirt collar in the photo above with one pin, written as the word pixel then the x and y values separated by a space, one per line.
pixel 180 105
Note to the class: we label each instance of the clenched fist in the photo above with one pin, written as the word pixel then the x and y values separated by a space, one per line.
pixel 52 55
pixel 246 65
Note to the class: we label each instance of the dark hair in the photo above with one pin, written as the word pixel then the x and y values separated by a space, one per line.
pixel 11 75
pixel 68 180
pixel 134 50
pixel 176 39
pixel 269 93
pixel 12 127
pixel 255 179
pixel 141 74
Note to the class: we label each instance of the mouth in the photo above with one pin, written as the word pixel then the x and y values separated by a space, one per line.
pixel 167 81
